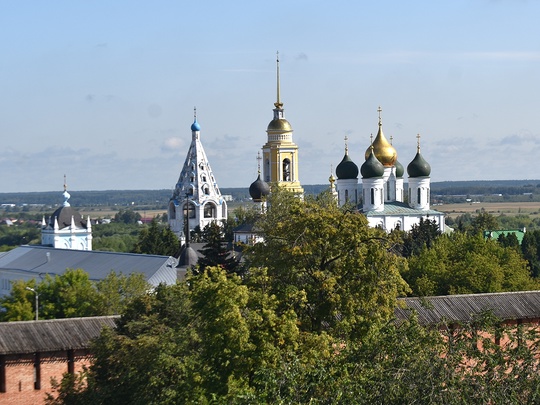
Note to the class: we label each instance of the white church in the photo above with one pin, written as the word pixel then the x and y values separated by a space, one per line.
pixel 382 198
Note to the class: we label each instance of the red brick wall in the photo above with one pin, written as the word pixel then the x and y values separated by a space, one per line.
pixel 19 371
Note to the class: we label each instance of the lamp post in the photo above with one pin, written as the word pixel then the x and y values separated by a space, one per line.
pixel 37 300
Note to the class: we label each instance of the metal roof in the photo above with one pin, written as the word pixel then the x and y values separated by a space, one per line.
pixel 51 335
pixel 400 208
pixel 37 261
pixel 523 305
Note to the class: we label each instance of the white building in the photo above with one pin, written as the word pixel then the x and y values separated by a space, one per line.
pixel 382 195
pixel 66 229
pixel 196 194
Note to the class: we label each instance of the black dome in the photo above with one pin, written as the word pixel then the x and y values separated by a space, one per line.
pixel 372 167
pixel 64 214
pixel 418 167
pixel 346 169
pixel 259 189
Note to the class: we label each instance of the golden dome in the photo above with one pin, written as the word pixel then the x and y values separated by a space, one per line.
pixel 383 150
pixel 279 124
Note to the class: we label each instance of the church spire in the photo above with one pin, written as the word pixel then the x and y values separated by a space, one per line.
pixel 278 103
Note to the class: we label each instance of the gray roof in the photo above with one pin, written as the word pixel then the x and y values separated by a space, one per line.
pixel 37 261
pixel 400 208
pixel 51 335
pixel 524 305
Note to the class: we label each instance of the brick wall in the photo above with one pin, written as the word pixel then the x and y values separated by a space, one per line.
pixel 20 371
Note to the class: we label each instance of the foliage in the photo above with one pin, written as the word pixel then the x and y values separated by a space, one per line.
pixel 327 264
pixel 16 235
pixel 530 248
pixel 115 237
pixel 72 294
pixel 214 340
pixel 421 235
pixel 157 239
pixel 215 252
pixel 127 216
pixel 464 264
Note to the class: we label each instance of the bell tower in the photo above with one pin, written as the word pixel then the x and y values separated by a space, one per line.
pixel 280 153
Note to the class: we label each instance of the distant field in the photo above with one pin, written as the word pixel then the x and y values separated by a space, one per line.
pixel 495 208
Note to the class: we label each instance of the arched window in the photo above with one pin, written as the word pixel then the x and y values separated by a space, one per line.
pixel 286 170
pixel 209 210
pixel 267 169
pixel 372 196
pixel 419 195
pixel 346 195
pixel 191 213
pixel 172 211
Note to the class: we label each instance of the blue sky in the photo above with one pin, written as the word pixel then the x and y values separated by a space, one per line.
pixel 104 91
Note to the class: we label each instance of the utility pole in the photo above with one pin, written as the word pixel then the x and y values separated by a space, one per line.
pixel 37 300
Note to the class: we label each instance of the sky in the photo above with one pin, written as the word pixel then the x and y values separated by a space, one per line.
pixel 104 91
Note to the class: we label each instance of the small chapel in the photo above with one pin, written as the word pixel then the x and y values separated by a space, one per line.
pixel 381 197
pixel 66 228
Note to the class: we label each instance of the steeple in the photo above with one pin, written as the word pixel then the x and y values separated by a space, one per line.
pixel 278 103
pixel 196 190
pixel 280 153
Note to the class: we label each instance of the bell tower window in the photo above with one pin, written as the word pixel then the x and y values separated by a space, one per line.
pixel 286 170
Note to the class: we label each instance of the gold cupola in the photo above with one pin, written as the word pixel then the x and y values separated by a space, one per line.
pixel 383 150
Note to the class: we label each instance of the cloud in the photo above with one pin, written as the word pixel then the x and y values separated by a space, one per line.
pixel 173 144
pixel 301 56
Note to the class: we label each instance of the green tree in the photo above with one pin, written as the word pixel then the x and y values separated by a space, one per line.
pixel 19 305
pixel 328 264
pixel 422 234
pixel 215 252
pixel 69 295
pixel 484 221
pixel 464 264
pixel 157 239
pixel 116 291
pixel 127 216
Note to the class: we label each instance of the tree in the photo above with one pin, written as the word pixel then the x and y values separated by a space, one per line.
pixel 19 305
pixel 157 240
pixel 72 294
pixel 127 216
pixel 422 234
pixel 69 295
pixel 328 264
pixel 484 221
pixel 116 291
pixel 465 264
pixel 215 252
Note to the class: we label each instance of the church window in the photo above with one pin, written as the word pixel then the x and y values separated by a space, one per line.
pixel 191 208
pixel 172 211
pixel 372 196
pixel 203 177
pixel 346 195
pixel 388 192
pixel 191 179
pixel 190 191
pixel 206 189
pixel 286 170
pixel 209 210
pixel 419 195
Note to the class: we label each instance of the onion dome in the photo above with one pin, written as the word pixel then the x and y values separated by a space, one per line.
pixel 418 167
pixel 346 169
pixel 195 126
pixel 384 151
pixel 372 167
pixel 259 189
pixel 400 170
